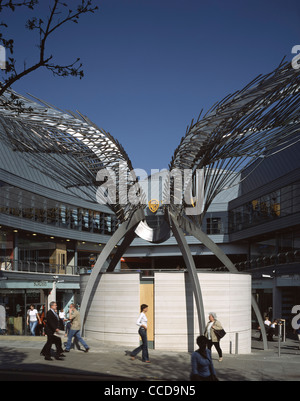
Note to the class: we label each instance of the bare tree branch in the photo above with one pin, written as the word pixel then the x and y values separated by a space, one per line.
pixel 45 30
pixel 12 4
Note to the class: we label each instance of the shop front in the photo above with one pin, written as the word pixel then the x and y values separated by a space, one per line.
pixel 20 290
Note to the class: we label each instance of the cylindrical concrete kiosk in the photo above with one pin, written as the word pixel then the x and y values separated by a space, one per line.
pixel 115 307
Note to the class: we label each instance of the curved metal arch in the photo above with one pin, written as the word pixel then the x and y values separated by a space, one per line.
pixel 124 230
pixel 190 265
pixel 196 232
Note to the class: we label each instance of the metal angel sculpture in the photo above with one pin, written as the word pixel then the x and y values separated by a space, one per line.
pixel 252 124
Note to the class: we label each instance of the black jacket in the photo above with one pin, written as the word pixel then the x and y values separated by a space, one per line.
pixel 52 322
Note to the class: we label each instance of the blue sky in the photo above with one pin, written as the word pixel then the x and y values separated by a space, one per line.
pixel 152 65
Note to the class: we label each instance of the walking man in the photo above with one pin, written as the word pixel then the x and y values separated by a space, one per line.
pixel 74 317
pixel 52 327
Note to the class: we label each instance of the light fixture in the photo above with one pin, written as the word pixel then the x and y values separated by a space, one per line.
pixel 15 231
pixel 34 234
pixel 68 240
pixel 51 237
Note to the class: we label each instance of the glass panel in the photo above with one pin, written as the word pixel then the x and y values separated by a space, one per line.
pixel 74 218
pixel 286 200
pixel 96 222
pixel 85 220
pixel 296 198
pixel 107 229
pixel 214 225
pixel 21 203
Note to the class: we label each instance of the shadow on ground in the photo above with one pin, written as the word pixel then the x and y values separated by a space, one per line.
pixel 14 368
pixel 162 367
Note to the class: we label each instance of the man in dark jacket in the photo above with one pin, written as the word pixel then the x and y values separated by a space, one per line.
pixel 52 326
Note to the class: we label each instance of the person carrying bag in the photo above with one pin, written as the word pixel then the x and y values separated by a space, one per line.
pixel 214 332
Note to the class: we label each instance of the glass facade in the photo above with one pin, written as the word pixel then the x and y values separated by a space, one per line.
pixel 279 248
pixel 6 245
pixel 214 226
pixel 280 203
pixel 24 204
pixel 39 253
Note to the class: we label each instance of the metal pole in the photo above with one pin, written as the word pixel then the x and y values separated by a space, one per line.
pixel 25 312
pixel 284 330
pixel 236 343
pixel 279 340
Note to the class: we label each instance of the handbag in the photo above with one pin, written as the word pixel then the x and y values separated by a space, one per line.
pixel 220 333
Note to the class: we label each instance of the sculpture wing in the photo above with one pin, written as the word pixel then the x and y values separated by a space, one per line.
pixel 250 124
pixel 67 147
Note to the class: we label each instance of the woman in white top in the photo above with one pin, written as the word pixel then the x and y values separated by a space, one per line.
pixel 212 325
pixel 32 319
pixel 142 323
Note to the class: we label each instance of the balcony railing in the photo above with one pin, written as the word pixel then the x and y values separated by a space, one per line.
pixel 282 258
pixel 38 267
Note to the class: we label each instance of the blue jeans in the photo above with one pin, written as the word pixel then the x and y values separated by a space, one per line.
pixel 143 347
pixel 76 334
pixel 32 326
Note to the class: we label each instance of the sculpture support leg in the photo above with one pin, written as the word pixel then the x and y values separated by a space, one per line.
pixel 217 251
pixel 190 264
pixel 129 237
pixel 121 232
